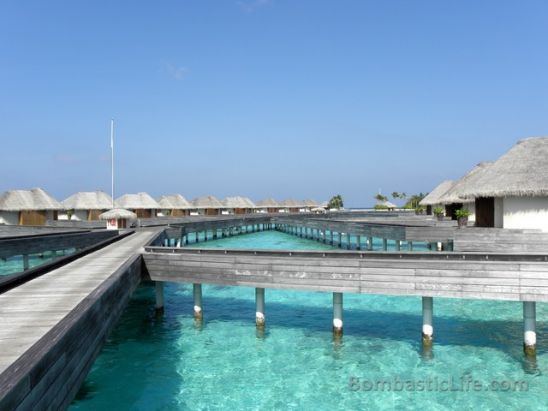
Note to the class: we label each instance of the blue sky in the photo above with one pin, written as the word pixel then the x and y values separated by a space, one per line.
pixel 262 98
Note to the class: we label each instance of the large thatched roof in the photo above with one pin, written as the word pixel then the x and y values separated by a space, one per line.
pixel 118 213
pixel 436 193
pixel 311 203
pixel 238 202
pixel 93 200
pixel 206 202
pixel 139 201
pixel 35 199
pixel 174 202
pixel 291 203
pixel 268 203
pixel 454 194
pixel 521 172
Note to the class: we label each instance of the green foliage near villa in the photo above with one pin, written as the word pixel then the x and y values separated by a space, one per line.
pixel 336 202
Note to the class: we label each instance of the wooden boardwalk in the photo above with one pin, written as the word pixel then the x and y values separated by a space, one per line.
pixel 453 275
pixel 35 317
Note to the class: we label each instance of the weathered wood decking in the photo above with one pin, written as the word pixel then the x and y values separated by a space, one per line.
pixel 483 276
pixel 52 328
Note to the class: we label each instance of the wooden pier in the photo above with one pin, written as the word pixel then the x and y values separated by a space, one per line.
pixel 53 327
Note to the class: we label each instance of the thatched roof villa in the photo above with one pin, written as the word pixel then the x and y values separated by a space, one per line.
pixel 433 199
pixel 207 205
pixel 85 206
pixel 141 204
pixel 453 199
pixel 174 206
pixel 292 206
pixel 238 205
pixel 28 207
pixel 513 191
pixel 118 218
pixel 310 204
pixel 386 205
pixel 268 205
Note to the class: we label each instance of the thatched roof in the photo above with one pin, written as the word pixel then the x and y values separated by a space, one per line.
pixel 118 213
pixel 35 199
pixel 93 200
pixel 387 204
pixel 454 194
pixel 268 203
pixel 174 202
pixel 521 172
pixel 206 202
pixel 238 202
pixel 311 203
pixel 139 201
pixel 436 193
pixel 291 203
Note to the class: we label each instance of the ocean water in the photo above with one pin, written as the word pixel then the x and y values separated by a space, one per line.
pixel 170 362
pixel 14 264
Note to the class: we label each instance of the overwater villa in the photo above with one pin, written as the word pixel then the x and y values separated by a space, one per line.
pixel 174 206
pixel 85 206
pixel 292 206
pixel 238 205
pixel 268 205
pixel 118 218
pixel 310 204
pixel 28 207
pixel 513 191
pixel 433 199
pixel 206 205
pixel 453 200
pixel 142 204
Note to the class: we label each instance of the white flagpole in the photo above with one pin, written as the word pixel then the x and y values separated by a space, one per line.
pixel 112 157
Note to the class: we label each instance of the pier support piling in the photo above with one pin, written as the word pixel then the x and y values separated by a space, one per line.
pixel 337 314
pixel 159 296
pixel 529 329
pixel 197 294
pixel 259 307
pixel 25 262
pixel 427 327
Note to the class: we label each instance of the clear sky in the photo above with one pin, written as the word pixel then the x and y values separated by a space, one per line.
pixel 281 98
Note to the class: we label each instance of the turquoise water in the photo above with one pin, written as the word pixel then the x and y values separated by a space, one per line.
pixel 14 264
pixel 170 362
pixel 265 241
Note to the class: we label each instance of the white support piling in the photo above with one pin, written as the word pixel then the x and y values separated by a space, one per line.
pixel 259 307
pixel 337 314
pixel 427 325
pixel 159 296
pixel 197 294
pixel 370 243
pixel 26 264
pixel 529 328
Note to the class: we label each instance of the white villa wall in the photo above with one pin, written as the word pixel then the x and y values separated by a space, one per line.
pixel 526 212
pixel 77 215
pixel 9 217
pixel 472 208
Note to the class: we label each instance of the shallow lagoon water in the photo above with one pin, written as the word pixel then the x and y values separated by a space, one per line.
pixel 169 362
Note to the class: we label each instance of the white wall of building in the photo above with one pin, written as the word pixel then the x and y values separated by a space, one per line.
pixel 77 215
pixel 472 208
pixel 9 217
pixel 526 212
